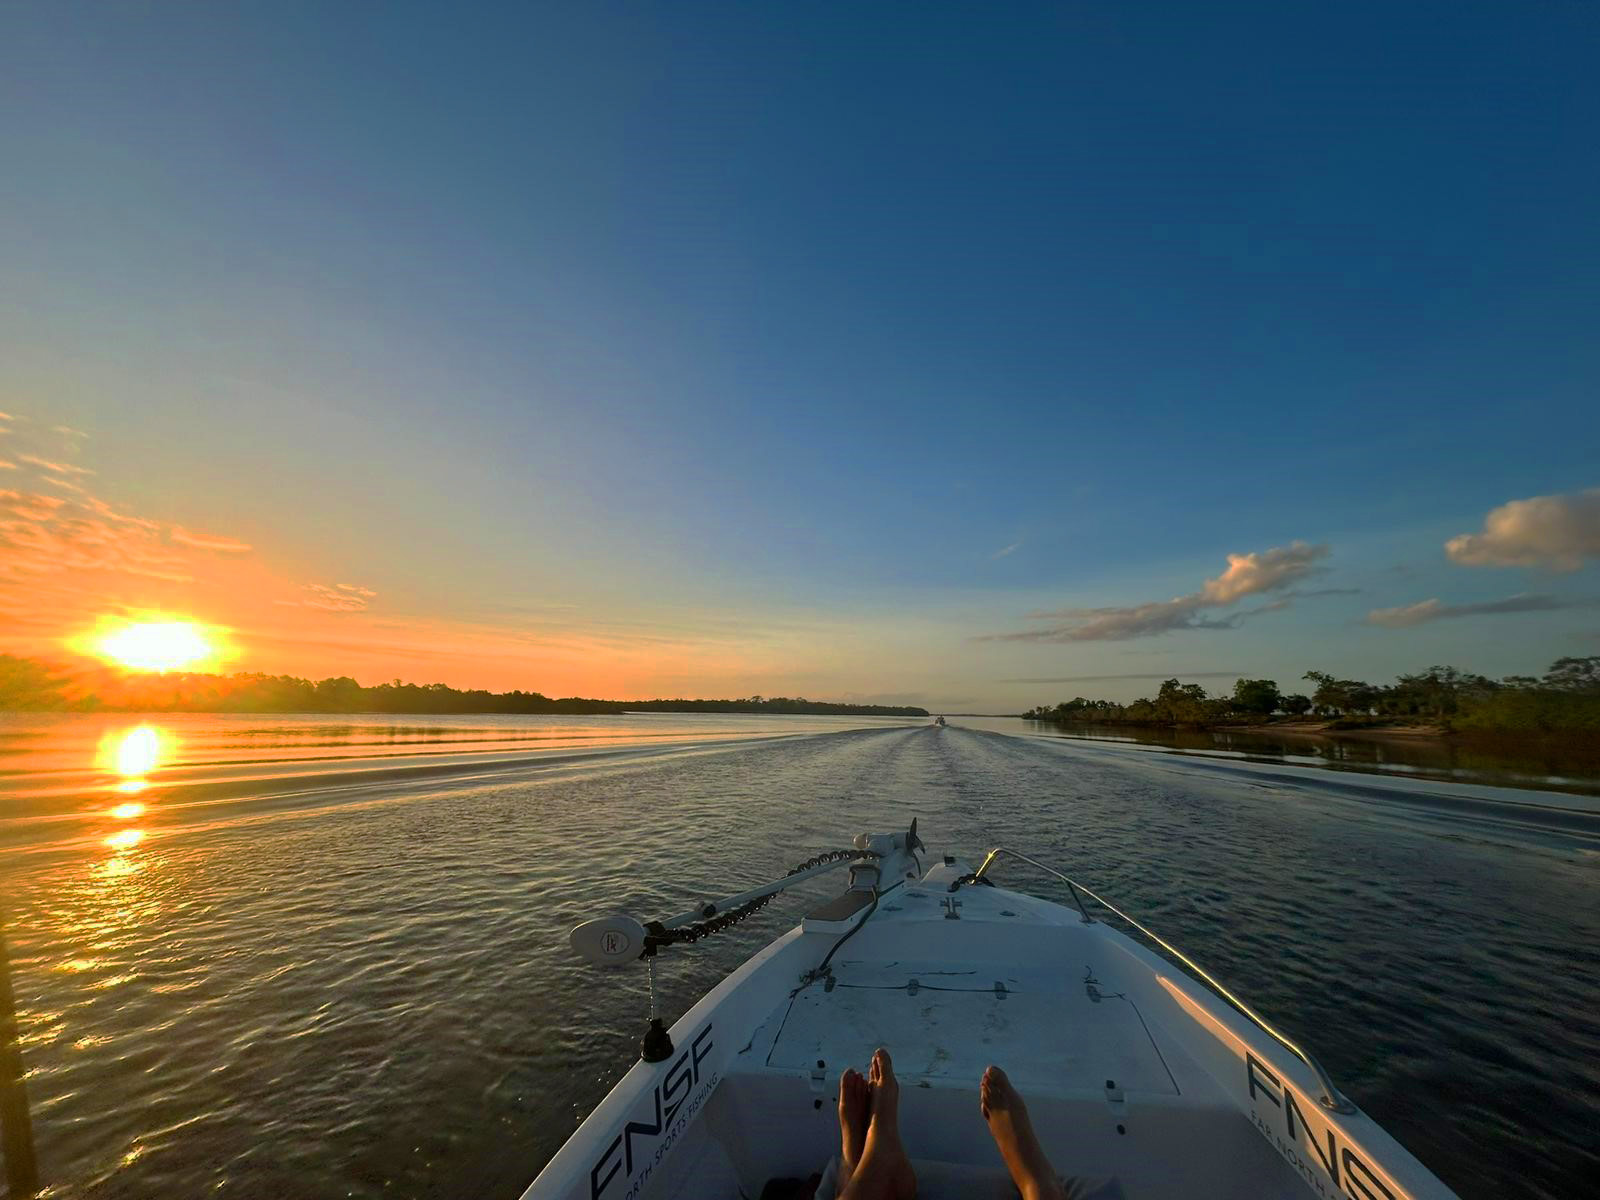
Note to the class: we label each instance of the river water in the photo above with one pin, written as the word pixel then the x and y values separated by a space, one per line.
pixel 326 956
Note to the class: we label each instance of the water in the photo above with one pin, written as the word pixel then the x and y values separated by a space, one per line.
pixel 1570 763
pixel 326 957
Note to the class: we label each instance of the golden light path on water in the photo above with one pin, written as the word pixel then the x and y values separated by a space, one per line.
pixel 132 754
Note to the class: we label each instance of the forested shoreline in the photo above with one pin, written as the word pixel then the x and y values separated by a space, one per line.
pixel 1564 700
pixel 31 685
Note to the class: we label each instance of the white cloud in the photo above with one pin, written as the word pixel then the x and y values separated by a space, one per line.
pixel 1256 573
pixel 1558 532
pixel 1433 610
pixel 1005 550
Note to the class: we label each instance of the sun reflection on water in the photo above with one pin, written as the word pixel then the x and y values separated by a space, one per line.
pixel 135 753
pixel 116 868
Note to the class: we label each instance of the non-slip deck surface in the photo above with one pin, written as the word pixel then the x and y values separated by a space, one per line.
pixel 953 1024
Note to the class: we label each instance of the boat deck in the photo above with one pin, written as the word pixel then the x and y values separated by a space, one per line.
pixel 1016 979
pixel 1036 992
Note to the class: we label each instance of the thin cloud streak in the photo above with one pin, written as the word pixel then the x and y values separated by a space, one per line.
pixel 1424 611
pixel 340 598
pixel 208 541
pixel 1256 573
pixel 1139 675
pixel 53 467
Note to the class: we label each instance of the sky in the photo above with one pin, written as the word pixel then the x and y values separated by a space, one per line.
pixel 965 356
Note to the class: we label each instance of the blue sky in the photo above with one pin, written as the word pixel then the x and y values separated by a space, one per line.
pixel 746 348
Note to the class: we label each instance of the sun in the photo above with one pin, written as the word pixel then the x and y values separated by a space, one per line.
pixel 158 644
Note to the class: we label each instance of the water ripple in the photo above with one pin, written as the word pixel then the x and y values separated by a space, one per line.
pixel 300 983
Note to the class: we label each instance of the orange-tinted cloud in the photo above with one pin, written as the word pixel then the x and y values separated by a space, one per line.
pixel 208 541
pixel 54 468
pixel 41 534
pixel 68 557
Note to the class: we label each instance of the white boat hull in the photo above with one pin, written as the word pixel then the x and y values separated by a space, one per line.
pixel 1132 1070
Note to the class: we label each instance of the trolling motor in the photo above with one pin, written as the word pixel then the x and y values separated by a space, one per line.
pixel 876 861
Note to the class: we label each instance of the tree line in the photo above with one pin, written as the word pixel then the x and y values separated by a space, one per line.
pixel 27 684
pixel 1566 698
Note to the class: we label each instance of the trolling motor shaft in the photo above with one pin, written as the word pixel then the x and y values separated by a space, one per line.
pixel 620 939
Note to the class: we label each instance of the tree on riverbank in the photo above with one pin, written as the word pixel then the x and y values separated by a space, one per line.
pixel 1565 700
pixel 28 685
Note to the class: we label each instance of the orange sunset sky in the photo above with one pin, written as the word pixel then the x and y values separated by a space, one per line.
pixel 79 565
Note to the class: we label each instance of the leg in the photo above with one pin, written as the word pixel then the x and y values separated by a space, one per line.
pixel 855 1102
pixel 1013 1132
pixel 883 1171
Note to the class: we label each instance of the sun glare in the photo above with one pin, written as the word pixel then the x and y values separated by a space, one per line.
pixel 134 754
pixel 137 751
pixel 156 645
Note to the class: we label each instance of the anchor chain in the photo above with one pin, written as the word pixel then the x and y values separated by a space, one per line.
pixel 658 935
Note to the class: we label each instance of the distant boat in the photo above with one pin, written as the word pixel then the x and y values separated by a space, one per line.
pixel 938 721
pixel 1141 1080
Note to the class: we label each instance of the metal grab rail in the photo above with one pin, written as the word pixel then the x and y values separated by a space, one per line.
pixel 1332 1098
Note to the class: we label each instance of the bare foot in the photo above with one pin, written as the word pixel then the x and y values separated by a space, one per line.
pixel 883 1171
pixel 855 1104
pixel 885 1092
pixel 1013 1132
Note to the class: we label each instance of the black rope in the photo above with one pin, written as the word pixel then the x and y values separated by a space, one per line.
pixel 820 971
pixel 658 935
